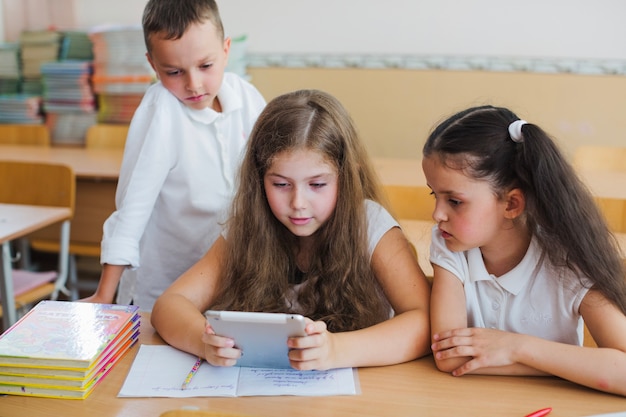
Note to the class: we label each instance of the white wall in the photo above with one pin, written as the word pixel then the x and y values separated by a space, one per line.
pixel 531 28
pixel 2 37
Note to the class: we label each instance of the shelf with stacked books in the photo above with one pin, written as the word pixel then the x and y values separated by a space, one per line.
pixel 62 349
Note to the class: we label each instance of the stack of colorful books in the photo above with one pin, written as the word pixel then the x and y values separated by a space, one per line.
pixel 68 100
pixel 121 72
pixel 62 349
pixel 37 47
pixel 9 68
pixel 21 108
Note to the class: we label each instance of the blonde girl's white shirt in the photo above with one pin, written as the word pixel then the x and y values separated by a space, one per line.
pixel 176 183
pixel 534 298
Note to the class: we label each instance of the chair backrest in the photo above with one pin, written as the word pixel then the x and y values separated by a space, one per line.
pixel 410 202
pixel 614 211
pixel 106 136
pixel 600 158
pixel 24 134
pixel 37 183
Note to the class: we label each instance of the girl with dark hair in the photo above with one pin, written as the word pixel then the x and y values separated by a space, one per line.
pixel 521 255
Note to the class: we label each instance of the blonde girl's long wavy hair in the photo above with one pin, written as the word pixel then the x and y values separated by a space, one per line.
pixel 340 288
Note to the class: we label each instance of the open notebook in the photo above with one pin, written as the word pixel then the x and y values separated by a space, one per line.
pixel 160 370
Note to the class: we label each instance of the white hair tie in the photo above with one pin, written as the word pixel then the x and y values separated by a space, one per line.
pixel 515 130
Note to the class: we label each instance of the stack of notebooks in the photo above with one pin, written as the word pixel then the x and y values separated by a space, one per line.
pixel 121 73
pixel 76 45
pixel 37 47
pixel 9 68
pixel 62 349
pixel 68 100
pixel 67 86
pixel 20 108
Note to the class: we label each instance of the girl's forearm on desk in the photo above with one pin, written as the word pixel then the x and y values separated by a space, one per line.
pixel 599 368
pixel 403 338
pixel 179 323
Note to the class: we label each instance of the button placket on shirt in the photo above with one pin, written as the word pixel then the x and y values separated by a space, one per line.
pixel 497 296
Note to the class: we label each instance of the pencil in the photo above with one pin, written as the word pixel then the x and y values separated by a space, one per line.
pixel 191 373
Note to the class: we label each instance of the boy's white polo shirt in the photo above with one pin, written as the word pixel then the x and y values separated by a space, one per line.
pixel 176 184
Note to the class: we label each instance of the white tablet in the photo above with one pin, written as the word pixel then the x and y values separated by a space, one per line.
pixel 262 337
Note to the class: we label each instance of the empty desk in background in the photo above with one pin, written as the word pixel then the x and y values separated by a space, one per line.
pixel 96 170
pixel 18 220
pixel 414 388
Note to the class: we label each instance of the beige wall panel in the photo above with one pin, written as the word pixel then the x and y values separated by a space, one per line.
pixel 396 108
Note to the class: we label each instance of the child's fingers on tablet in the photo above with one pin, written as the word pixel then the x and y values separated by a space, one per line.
pixel 313 340
pixel 315 327
pixel 222 356
pixel 217 341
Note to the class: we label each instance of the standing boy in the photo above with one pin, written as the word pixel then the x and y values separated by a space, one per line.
pixel 183 149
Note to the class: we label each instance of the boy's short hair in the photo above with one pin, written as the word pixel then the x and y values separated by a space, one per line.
pixel 171 18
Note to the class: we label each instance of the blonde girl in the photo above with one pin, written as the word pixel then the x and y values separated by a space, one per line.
pixel 308 235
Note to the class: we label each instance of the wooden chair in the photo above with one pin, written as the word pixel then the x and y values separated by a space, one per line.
pixel 614 210
pixel 410 202
pixel 99 136
pixel 42 184
pixel 600 158
pixel 24 134
pixel 106 136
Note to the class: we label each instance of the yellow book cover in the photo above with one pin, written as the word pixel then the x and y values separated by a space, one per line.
pixel 65 392
pixel 64 334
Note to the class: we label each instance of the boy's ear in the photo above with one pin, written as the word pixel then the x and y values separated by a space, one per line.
pixel 227 42
pixel 515 203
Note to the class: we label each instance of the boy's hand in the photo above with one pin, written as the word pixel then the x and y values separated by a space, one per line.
pixel 97 298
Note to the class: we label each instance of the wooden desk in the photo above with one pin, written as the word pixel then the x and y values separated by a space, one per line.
pixel 96 172
pixel 412 389
pixel 17 220
pixel 92 164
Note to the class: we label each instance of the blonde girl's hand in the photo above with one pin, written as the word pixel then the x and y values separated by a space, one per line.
pixel 314 351
pixel 486 347
pixel 218 350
